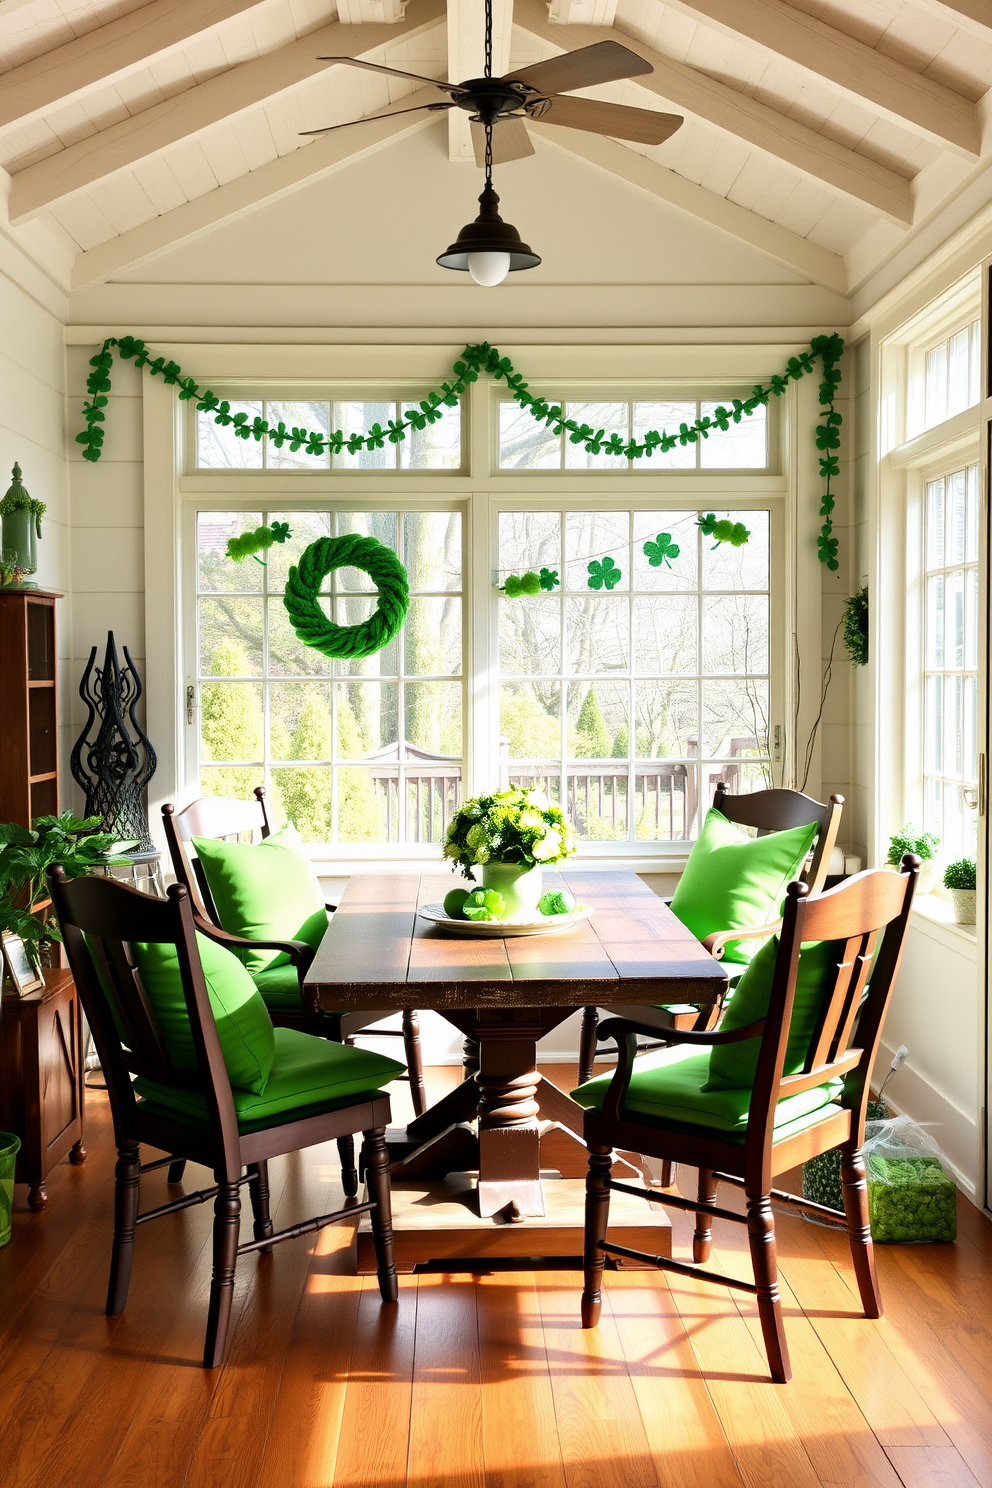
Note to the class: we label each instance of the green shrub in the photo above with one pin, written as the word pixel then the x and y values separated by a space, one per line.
pixel 960 874
pixel 923 844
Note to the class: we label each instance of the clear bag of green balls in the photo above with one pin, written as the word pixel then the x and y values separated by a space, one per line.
pixel 911 1194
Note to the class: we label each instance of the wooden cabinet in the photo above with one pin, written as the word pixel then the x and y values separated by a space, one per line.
pixel 29 759
pixel 41 1080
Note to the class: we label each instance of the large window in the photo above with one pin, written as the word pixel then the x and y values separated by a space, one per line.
pixel 351 751
pixel 950 768
pixel 629 705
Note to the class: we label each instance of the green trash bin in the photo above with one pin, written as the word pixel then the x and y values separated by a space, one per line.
pixel 10 1146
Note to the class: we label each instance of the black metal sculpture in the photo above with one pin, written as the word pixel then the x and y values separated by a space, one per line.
pixel 118 762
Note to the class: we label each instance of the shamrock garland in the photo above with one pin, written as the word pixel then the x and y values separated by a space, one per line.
pixel 473 362
pixel 725 531
pixel 604 574
pixel 662 551
pixel 250 544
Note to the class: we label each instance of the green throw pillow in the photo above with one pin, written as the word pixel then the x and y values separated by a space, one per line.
pixel 243 1022
pixel 736 882
pixel 735 1064
pixel 264 891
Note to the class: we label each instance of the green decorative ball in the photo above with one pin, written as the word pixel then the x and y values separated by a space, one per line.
pixel 304 584
pixel 454 903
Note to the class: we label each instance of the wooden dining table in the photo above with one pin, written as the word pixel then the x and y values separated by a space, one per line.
pixel 503 994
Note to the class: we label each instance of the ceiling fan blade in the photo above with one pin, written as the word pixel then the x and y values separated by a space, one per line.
pixel 370 118
pixel 413 77
pixel 510 141
pixel 606 62
pixel 646 126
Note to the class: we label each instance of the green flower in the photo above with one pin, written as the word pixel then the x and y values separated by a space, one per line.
pixel 662 550
pixel 484 904
pixel 604 573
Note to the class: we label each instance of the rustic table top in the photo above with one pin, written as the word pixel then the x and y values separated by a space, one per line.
pixel 379 953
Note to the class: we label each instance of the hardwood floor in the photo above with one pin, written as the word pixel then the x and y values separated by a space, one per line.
pixel 485 1382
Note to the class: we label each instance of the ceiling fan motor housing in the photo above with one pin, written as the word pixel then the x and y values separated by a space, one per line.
pixel 488 99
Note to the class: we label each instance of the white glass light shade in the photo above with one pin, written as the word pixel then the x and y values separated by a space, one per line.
pixel 489 269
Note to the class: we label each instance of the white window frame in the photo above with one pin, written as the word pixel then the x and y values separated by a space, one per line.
pixel 173 489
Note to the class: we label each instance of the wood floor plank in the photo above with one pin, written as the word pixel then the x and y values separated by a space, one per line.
pixel 931 1467
pixel 520 1434
pixel 603 1440
pixel 683 1430
pixel 374 1431
pixel 446 1403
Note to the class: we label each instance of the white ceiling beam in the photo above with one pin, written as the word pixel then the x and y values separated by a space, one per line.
pixel 849 67
pixel 583 12
pixel 40 186
pixel 974 15
pixel 99 57
pixel 777 243
pixel 677 86
pixel 226 203
pixel 466 56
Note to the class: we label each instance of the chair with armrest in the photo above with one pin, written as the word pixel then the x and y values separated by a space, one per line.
pixel 795 1085
pixel 281 984
pixel 767 811
pixel 183 1100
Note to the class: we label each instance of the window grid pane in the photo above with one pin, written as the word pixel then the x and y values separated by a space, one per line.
pixel 525 444
pixel 952 375
pixel 950 661
pixel 633 704
pixel 360 751
pixel 436 447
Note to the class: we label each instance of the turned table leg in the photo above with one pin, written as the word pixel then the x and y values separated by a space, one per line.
pixel 509 1137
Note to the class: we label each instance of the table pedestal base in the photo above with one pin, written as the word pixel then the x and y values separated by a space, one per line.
pixel 439 1220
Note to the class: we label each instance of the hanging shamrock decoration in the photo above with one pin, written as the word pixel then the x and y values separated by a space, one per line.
pixel 517 584
pixel 549 579
pixel 604 574
pixel 724 531
pixel 250 544
pixel 661 551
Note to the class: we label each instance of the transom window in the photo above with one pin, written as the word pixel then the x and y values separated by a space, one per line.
pixel 628 706
pixel 952 374
pixel 525 444
pixel 950 769
pixel 436 447
pixel 351 751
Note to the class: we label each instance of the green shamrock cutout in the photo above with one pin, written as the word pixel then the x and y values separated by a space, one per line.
pixel 604 574
pixel 662 550
pixel 280 531
pixel 549 579
pixel 484 904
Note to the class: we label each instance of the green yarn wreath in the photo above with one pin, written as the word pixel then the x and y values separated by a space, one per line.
pixel 351 551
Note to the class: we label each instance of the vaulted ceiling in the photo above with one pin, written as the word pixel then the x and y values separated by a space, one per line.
pixel 821 133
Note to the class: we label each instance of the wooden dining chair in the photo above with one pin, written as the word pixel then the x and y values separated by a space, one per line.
pixel 766 811
pixel 221 818
pixel 678 1109
pixel 194 1114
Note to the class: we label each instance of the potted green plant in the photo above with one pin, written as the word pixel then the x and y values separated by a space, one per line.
pixel 21 516
pixel 510 835
pixel 924 845
pixel 959 877
pixel 26 856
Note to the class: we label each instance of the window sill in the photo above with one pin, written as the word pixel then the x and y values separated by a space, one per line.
pixel 934 916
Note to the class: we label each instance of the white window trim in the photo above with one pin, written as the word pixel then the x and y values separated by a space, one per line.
pixel 170 490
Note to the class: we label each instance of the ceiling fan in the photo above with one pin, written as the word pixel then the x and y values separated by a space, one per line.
pixel 536 92
pixel 498 109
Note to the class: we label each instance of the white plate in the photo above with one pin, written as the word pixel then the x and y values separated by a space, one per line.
pixel 491 929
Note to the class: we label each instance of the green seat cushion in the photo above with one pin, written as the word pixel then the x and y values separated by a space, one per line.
pixel 735 1064
pixel 670 1088
pixel 279 986
pixel 736 882
pixel 243 1023
pixel 264 891
pixel 308 1073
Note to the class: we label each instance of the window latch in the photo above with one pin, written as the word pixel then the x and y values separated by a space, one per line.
pixel 777 744
pixel 190 704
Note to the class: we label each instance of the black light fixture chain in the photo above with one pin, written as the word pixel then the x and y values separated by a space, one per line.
pixel 489 39
pixel 489 155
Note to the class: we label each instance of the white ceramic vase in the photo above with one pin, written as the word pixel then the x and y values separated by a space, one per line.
pixel 521 888
pixel 964 906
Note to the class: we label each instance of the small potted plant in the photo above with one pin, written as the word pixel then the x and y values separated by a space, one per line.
pixel 25 858
pixel 924 845
pixel 959 877
pixel 510 835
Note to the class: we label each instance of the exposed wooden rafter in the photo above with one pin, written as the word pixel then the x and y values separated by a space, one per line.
pixel 777 243
pixel 680 87
pixel 975 15
pixel 850 67
pixel 466 52
pixel 39 186
pixel 98 57
pixel 225 203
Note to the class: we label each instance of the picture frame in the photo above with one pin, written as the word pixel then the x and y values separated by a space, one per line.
pixel 18 970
